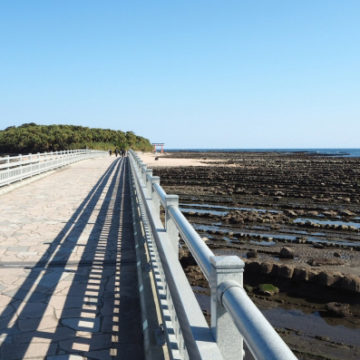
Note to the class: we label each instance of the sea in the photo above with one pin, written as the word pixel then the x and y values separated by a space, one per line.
pixel 343 152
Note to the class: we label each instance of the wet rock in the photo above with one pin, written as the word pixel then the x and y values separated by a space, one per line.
pixel 275 270
pixel 350 283
pixel 312 275
pixel 286 271
pixel 325 278
pixel 266 267
pixel 286 253
pixel 347 213
pixel 300 274
pixel 252 254
pixel 330 213
pixel 318 246
pixel 336 309
pixel 253 266
pixel 291 213
pixel 338 278
pixel 324 261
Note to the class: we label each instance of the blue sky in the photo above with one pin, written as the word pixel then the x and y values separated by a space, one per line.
pixel 234 74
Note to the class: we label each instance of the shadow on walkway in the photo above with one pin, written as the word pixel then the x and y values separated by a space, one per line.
pixel 87 307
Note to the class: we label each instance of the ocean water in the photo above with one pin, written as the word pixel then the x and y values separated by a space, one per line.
pixel 330 152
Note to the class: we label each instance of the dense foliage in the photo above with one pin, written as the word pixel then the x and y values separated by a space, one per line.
pixel 32 138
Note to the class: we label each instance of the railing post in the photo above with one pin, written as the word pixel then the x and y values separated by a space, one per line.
pixel 149 173
pixel 171 229
pixel 30 164
pixel 155 197
pixel 21 167
pixel 8 168
pixel 143 173
pixel 38 160
pixel 226 334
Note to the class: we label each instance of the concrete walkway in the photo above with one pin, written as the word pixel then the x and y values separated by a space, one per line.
pixel 68 284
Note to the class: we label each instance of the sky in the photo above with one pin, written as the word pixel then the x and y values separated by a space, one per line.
pixel 189 73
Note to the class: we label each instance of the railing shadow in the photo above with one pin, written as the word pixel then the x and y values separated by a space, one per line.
pixel 89 306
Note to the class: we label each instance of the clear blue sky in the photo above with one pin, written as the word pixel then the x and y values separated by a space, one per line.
pixel 190 73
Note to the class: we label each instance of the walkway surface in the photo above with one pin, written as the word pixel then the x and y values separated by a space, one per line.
pixel 68 284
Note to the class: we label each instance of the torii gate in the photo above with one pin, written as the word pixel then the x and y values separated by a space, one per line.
pixel 158 144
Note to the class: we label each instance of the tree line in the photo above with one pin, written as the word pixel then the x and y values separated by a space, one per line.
pixel 33 138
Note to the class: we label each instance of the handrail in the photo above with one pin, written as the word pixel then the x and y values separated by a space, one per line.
pixel 198 248
pixel 233 314
pixel 20 167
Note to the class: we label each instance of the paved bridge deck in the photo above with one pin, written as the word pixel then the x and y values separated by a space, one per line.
pixel 68 285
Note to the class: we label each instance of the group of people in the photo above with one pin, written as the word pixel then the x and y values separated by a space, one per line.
pixel 117 152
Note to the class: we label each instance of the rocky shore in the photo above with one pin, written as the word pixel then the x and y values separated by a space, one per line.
pixel 295 221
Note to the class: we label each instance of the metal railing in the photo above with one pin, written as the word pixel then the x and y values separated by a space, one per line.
pixel 234 317
pixel 16 168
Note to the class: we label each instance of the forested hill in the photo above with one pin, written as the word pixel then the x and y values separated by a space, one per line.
pixel 32 138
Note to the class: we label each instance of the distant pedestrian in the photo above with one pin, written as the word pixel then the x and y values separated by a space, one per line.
pixel 110 152
pixel 122 152
pixel 117 152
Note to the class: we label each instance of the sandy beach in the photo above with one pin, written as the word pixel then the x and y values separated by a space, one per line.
pixel 167 160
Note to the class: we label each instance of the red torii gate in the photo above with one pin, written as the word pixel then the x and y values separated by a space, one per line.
pixel 158 144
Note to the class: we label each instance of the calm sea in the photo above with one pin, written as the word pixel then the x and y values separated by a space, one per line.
pixel 330 152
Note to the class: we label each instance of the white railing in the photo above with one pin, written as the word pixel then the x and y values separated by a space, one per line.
pixel 234 317
pixel 16 168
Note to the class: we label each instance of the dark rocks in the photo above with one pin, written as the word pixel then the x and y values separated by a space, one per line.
pixel 350 283
pixel 290 213
pixel 347 213
pixel 252 266
pixel 266 267
pixel 336 309
pixel 325 279
pixel 275 270
pixel 286 271
pixel 252 254
pixel 286 253
pixel 324 261
pixel 300 274
pixel 330 213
